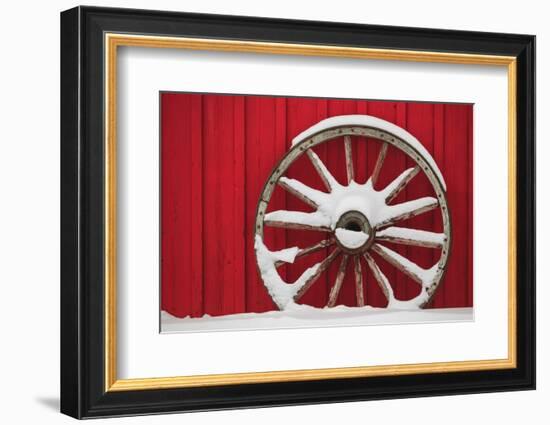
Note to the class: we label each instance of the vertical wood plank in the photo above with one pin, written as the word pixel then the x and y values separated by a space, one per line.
pixel 180 214
pixel 195 207
pixel 265 145
pixel 456 133
pixel 223 213
pixel 182 190
pixel 181 275
pixel 470 191
pixel 213 257
pixel 438 300
pixel 237 303
pixel 168 114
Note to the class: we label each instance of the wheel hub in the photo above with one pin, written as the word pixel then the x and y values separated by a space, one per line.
pixel 353 232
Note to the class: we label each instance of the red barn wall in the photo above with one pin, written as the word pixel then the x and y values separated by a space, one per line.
pixel 217 151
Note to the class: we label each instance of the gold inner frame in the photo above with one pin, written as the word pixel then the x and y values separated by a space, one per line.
pixel 112 41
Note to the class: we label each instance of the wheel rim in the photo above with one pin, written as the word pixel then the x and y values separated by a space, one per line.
pixel 355 217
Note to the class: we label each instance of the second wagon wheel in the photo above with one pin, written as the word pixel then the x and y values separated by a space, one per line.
pixel 355 217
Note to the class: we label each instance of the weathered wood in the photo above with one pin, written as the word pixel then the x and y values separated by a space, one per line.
pixel 379 163
pixel 409 213
pixel 333 296
pixel 380 278
pixel 349 159
pixel 327 178
pixel 413 237
pixel 297 226
pixel 310 249
pixel 405 179
pixel 358 282
pixel 313 278
pixel 299 195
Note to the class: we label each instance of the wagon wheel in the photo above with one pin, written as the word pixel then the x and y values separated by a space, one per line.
pixel 355 217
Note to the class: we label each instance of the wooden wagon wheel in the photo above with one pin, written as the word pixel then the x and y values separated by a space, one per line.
pixel 356 217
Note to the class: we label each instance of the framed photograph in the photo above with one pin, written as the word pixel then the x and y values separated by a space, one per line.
pixel 261 212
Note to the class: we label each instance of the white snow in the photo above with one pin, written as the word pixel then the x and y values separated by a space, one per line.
pixel 288 255
pixel 315 219
pixel 302 316
pixel 351 239
pixel 281 292
pixel 370 121
pixel 412 234
pixel 315 195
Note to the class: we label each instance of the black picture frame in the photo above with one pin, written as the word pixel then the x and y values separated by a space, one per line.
pixel 83 392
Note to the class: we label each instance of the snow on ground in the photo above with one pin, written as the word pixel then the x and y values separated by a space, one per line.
pixel 301 316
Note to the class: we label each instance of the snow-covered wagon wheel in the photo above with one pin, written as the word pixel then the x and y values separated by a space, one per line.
pixel 355 217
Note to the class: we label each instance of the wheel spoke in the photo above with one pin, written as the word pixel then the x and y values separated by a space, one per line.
pixel 320 269
pixel 333 297
pixel 297 220
pixel 307 194
pixel 349 159
pixel 328 179
pixel 396 186
pixel 381 279
pixel 423 276
pixel 379 162
pixel 309 250
pixel 407 210
pixel 414 237
pixel 358 282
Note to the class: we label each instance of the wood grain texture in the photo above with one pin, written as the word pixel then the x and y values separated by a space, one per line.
pixel 217 152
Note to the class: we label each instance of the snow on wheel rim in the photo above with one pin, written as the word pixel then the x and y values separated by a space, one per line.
pixel 355 216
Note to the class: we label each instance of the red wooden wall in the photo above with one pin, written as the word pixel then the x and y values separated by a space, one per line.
pixel 217 151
